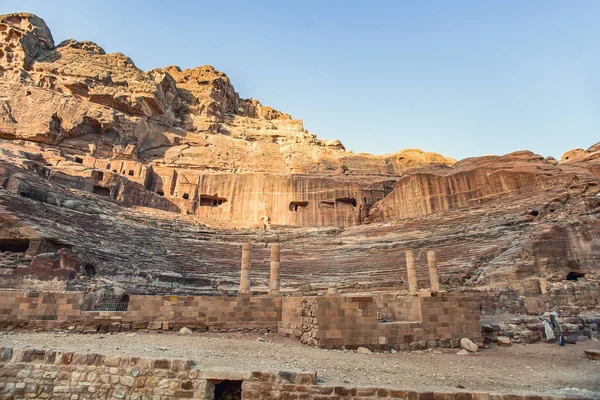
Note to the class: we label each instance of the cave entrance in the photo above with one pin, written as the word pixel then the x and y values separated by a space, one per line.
pixel 101 190
pixel 345 201
pixel 89 270
pixel 573 276
pixel 14 245
pixel 228 390
pixel 297 205
pixel 211 201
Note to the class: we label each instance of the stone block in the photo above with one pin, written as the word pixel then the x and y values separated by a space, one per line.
pixel 155 325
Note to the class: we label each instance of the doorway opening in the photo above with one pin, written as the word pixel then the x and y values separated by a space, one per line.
pixel 228 390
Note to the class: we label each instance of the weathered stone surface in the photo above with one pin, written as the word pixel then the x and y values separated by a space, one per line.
pixel 154 179
pixel 592 354
pixel 503 341
pixel 468 345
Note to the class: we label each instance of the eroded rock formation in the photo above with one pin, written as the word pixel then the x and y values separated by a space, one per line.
pixel 149 182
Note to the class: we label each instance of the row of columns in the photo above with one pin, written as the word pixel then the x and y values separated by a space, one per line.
pixel 275 264
pixel 247 267
pixel 434 279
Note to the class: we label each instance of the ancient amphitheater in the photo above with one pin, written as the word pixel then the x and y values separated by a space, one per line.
pixel 160 237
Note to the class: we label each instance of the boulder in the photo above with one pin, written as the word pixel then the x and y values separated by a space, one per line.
pixel 592 354
pixel 363 350
pixel 468 345
pixel 185 331
pixel 503 341
pixel 463 352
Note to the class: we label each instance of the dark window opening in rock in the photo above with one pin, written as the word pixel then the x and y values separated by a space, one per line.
pixel 14 245
pixel 552 210
pixel 98 175
pixel 89 270
pixel 186 196
pixel 79 160
pixel 326 204
pixel 160 192
pixel 107 166
pixel 347 201
pixel 228 390
pixel 364 199
pixel 115 171
pixel 101 190
pixel 573 276
pixel 130 173
pixel 297 205
pixel 123 172
pixel 535 213
pixel 211 201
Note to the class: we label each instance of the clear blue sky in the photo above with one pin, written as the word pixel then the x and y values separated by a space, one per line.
pixel 463 78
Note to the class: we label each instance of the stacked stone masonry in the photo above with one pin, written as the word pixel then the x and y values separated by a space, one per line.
pixel 332 321
pixel 144 312
pixel 31 373
pixel 568 299
pixel 354 321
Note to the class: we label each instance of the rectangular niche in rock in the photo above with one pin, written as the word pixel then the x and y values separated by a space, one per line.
pixel 298 205
pixel 211 201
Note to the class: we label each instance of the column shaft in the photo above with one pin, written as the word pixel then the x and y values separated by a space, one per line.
pixel 246 268
pixel 433 272
pixel 275 264
pixel 410 271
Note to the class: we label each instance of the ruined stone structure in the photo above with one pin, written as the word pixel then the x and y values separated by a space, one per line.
pixel 118 181
pixel 64 374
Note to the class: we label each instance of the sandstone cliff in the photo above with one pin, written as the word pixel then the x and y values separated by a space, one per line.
pixel 112 177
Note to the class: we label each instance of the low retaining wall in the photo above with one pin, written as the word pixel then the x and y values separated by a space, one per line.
pixel 568 298
pixel 366 321
pixel 378 322
pixel 60 310
pixel 30 373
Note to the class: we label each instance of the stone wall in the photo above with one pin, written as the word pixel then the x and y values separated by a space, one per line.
pixel 31 373
pixel 20 309
pixel 566 298
pixel 356 321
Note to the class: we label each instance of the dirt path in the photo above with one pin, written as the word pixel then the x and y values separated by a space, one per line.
pixel 541 368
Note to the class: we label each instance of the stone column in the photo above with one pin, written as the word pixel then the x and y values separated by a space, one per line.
pixel 434 279
pixel 246 267
pixel 410 271
pixel 275 263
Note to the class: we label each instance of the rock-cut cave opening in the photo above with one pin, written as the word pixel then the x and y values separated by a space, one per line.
pixel 14 245
pixel 101 190
pixel 573 276
pixel 297 205
pixel 89 270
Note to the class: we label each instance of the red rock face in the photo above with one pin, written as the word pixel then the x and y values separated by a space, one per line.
pixel 475 182
pixel 153 179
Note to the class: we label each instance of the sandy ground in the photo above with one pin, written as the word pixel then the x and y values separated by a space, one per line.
pixel 535 368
